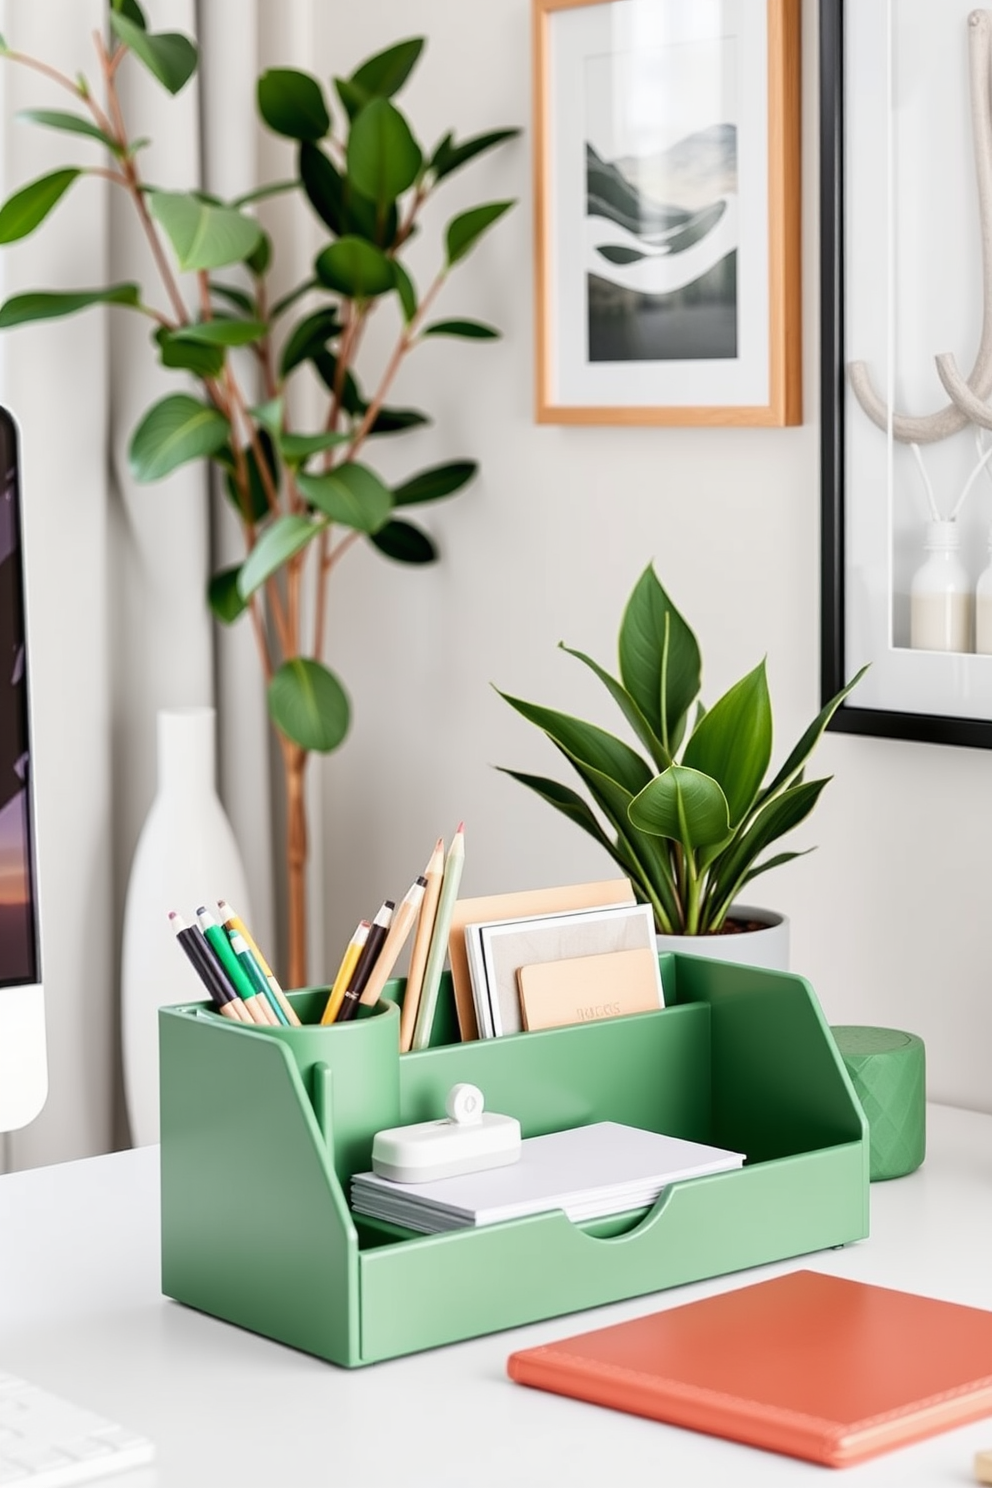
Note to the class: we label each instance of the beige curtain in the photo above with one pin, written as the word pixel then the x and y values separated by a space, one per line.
pixel 116 572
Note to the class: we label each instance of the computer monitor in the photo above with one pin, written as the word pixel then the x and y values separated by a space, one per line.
pixel 23 1061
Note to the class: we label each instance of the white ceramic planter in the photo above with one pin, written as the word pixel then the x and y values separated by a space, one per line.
pixel 767 947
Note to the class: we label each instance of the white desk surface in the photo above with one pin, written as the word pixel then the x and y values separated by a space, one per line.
pixel 81 1313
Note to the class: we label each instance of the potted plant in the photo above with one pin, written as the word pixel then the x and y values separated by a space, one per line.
pixel 688 818
pixel 303 496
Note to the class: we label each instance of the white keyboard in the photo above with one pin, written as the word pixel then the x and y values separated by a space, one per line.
pixel 47 1442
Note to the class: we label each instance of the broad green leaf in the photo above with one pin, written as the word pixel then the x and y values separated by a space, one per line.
pixel 256 507
pixel 647 857
pixel 775 818
pixel 683 805
pixel 263 193
pixel 430 485
pixel 810 739
pixel 397 420
pixel 324 187
pixel 308 704
pixel 223 597
pixel 222 332
pixel 406 290
pixel 269 415
pixel 404 543
pixel 627 706
pixel 295 448
pixel 385 73
pixel 203 236
pixel 448 156
pixel 292 103
pixel 307 338
pixel 40 305
pixel 733 743
pixel 174 431
pixel 169 57
pixel 28 208
pixel 587 743
pixel 352 400
pixel 383 156
pixel 464 231
pixel 350 494
pixel 355 268
pixel 353 99
pixel 260 257
pixel 778 861
pixel 662 685
pixel 343 209
pixel 471 330
pixel 187 356
pixel 234 296
pixel 132 10
pixel 70 124
pixel 282 540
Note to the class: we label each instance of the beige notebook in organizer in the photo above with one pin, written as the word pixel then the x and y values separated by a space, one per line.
pixel 516 906
pixel 584 989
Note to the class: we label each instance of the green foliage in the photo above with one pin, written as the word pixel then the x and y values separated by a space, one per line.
pixel 688 831
pixel 465 230
pixel 28 208
pixel 168 56
pixel 203 236
pixel 174 431
pixel 309 705
pixel 292 103
pixel 299 495
pixel 39 305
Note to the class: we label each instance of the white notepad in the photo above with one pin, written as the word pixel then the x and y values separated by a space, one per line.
pixel 588 1171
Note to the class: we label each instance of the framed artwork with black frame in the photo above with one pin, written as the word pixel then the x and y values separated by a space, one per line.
pixel 906 366
pixel 667 211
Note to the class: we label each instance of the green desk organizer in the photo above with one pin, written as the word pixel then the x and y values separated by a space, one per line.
pixel 262 1129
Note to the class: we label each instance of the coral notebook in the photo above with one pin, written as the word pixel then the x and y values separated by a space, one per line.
pixel 810 1365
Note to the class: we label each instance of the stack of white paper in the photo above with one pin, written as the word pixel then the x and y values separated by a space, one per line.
pixel 589 1172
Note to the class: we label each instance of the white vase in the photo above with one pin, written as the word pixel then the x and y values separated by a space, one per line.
pixel 767 947
pixel 186 857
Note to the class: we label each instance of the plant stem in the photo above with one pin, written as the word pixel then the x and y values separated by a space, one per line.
pixel 294 766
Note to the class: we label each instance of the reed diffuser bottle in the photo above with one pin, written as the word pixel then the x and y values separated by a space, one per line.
pixel 940 597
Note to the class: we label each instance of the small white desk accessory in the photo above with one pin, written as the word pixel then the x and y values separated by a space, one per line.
pixel 467 1140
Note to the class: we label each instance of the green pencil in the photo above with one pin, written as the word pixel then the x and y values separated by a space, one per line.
pixel 453 865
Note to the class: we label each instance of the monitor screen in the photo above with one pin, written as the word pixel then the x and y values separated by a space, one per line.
pixel 18 909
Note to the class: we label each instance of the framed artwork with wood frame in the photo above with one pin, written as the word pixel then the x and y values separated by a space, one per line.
pixel 667 211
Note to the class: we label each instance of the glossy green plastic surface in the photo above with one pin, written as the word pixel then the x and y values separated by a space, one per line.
pixel 262 1128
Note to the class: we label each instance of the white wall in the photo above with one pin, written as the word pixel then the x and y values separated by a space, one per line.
pixel 889 914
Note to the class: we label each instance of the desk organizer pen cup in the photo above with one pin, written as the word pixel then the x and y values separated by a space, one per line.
pixel 263 1128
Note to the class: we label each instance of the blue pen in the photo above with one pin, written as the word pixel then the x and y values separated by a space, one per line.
pixel 256 975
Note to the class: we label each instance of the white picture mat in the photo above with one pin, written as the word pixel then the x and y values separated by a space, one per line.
pixel 912 265
pixel 504 946
pixel 574 36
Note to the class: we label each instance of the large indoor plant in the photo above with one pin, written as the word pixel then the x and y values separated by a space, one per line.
pixel 689 819
pixel 303 496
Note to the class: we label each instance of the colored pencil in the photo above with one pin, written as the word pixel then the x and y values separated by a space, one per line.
pixel 366 961
pixel 453 865
pixel 257 1008
pixel 348 963
pixel 208 969
pixel 433 873
pixel 403 923
pixel 232 921
pixel 257 978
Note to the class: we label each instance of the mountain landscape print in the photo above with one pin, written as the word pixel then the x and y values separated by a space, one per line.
pixel 661 225
pixel 661 251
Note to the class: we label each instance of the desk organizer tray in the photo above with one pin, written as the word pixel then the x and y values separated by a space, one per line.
pixel 262 1130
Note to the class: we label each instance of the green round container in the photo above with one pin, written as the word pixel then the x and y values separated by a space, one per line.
pixel 888 1071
